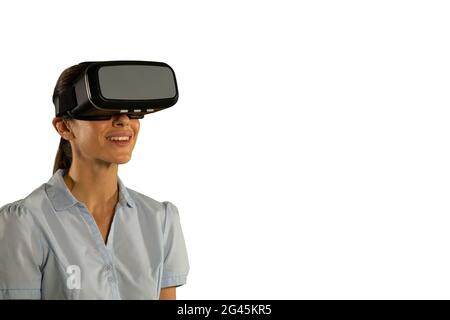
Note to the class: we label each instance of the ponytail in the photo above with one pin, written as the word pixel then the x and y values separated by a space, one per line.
pixel 63 158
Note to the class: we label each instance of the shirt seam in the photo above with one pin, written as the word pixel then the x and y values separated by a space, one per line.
pixel 24 289
pixel 172 281
pixel 166 205
pixel 175 276
pixel 166 211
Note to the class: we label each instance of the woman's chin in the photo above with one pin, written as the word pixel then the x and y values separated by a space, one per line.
pixel 121 160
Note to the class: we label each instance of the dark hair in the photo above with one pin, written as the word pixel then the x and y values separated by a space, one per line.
pixel 63 159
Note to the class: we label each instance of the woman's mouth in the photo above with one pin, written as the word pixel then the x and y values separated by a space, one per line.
pixel 120 140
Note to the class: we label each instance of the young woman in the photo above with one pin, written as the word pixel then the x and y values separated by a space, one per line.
pixel 83 234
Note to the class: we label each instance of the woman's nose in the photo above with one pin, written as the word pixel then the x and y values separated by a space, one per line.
pixel 121 119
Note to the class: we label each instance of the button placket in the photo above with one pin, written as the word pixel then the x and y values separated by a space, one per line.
pixel 108 267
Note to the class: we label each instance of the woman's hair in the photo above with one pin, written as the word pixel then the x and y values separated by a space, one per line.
pixel 63 159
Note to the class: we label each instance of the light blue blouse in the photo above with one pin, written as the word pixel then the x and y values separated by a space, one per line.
pixel 51 247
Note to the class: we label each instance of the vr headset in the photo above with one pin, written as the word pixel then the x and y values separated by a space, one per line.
pixel 107 88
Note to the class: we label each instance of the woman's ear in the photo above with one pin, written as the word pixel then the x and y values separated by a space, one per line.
pixel 62 126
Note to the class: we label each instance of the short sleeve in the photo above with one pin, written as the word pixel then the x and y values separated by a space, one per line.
pixel 20 254
pixel 176 264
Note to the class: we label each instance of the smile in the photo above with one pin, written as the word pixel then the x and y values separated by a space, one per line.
pixel 124 138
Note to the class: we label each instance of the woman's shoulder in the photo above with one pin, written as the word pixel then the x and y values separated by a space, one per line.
pixel 143 200
pixel 165 212
pixel 15 214
pixel 22 207
pixel 14 208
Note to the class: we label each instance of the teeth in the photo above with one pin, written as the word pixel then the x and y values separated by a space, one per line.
pixel 119 138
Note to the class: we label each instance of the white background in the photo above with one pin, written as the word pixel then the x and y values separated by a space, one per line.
pixel 308 154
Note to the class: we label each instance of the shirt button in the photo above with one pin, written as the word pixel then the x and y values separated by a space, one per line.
pixel 108 268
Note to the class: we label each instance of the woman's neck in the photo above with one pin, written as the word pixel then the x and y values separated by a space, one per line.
pixel 94 185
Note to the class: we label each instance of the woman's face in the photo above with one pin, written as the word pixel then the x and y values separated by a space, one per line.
pixel 110 141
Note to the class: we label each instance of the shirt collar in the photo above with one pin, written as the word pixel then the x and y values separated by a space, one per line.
pixel 61 197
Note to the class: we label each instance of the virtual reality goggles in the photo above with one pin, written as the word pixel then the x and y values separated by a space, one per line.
pixel 107 88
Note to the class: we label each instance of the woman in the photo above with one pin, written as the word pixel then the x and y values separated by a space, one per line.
pixel 84 235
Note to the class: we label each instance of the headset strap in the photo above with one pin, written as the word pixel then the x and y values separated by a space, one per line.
pixel 65 101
